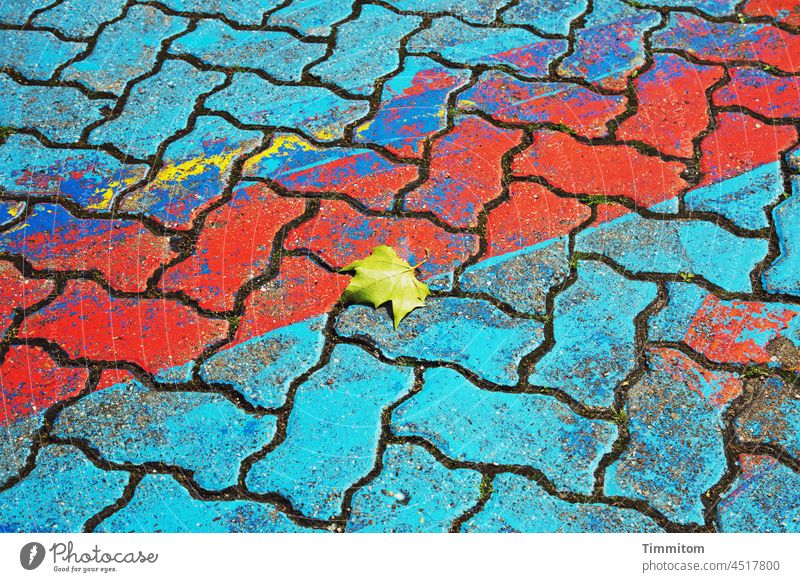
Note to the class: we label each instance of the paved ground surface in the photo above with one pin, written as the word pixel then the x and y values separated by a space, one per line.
pixel 610 195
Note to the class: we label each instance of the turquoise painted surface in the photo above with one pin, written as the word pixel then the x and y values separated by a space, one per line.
pixel 519 505
pixel 35 54
pixel 414 493
pixel 468 332
pixel 50 499
pixel 161 505
pixel 262 368
pixel 594 334
pixel 468 423
pixel 783 275
pixel 201 432
pixel 549 16
pixel 332 432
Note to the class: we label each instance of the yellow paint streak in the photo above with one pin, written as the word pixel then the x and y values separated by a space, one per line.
pixel 280 144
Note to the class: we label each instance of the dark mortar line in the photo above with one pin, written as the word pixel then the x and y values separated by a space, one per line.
pixel 696 60
pixel 484 495
pixel 20 79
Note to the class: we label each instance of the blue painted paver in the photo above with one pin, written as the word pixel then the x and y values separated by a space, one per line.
pixel 161 505
pixel 763 498
pixel 262 368
pixel 278 54
pixel 522 278
pixel 672 321
pixel 35 54
pixel 317 111
pixel 549 16
pixel 643 245
pixel 742 199
pixel 711 7
pixel 610 47
pixel 91 178
pixel 126 49
pixel 478 11
pixel 783 275
pixel 414 493
pixel 332 432
pixel 311 17
pixel 470 424
pixel 157 107
pixel 413 106
pixel 594 333
pixel 64 490
pixel 201 432
pixel 366 49
pixel 194 174
pixel 519 505
pixel 248 13
pixel 772 416
pixel 60 113
pixel 675 429
pixel 79 18
pixel 468 332
pixel 513 47
pixel 19 12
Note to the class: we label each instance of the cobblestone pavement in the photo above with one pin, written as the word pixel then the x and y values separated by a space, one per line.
pixel 609 192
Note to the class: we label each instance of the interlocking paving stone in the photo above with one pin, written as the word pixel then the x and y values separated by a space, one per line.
pixel 35 54
pixel 124 252
pixel 18 12
pixel 152 333
pixel 366 49
pixel 262 368
pixel 510 100
pixel 521 278
pixel 761 499
pixel 312 17
pixel 413 106
pixel 729 41
pixel 30 382
pixel 414 493
pixel 588 325
pixel 235 246
pixel 314 110
pixel 60 113
pixel 474 149
pixel 610 46
pixel 467 423
pixel 549 16
pixel 733 331
pixel 157 107
pixel 772 415
pixel 675 427
pixel 672 108
pixel 759 91
pixel 278 54
pixel 160 504
pixel 468 332
pixel 18 293
pixel 79 18
pixel 362 174
pixel 169 257
pixel 249 13
pixel 783 275
pixel 480 11
pixel 644 245
pixel 516 48
pixel 195 172
pixel 518 504
pixel 340 235
pixel 126 49
pixel 203 433
pixel 332 433
pixel 88 177
pixel 50 500
pixel 602 170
